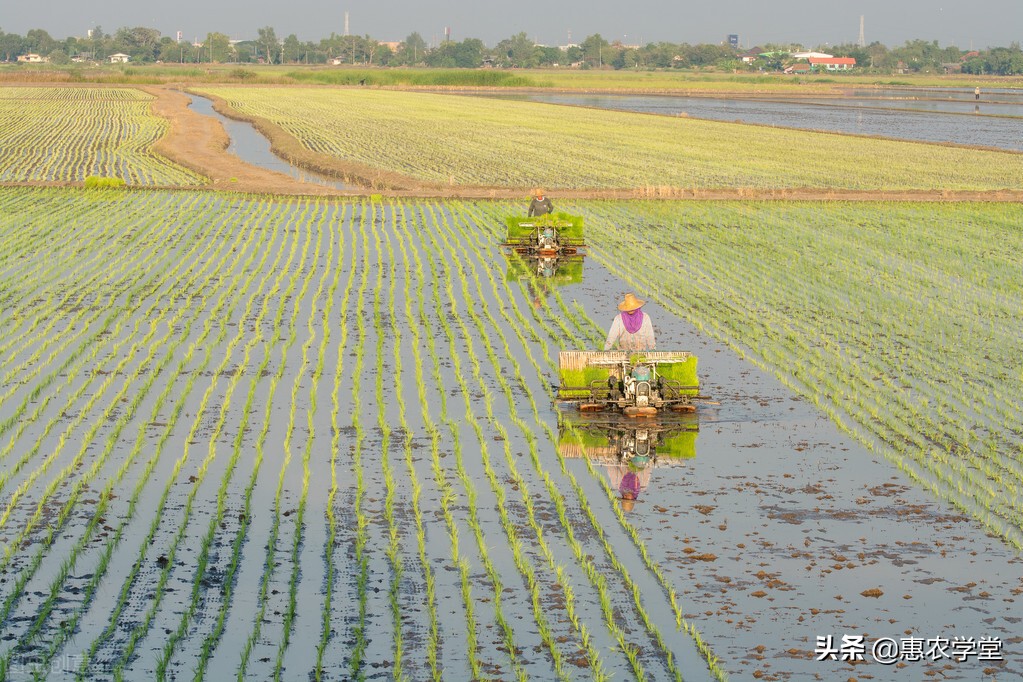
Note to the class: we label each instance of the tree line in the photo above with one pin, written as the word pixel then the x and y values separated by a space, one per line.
pixel 518 51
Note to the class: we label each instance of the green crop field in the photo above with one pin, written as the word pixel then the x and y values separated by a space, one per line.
pixel 228 415
pixel 451 140
pixel 68 134
pixel 899 320
pixel 246 436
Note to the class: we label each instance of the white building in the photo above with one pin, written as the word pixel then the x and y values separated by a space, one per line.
pixel 120 58
pixel 811 55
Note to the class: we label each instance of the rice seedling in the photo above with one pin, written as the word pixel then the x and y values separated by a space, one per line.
pixel 57 134
pixel 105 496
pixel 850 315
pixel 414 135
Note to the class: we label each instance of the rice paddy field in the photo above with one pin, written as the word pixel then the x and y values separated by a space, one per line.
pixel 65 134
pixel 266 438
pixel 458 141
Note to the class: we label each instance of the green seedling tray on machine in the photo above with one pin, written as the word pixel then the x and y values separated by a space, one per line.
pixel 578 370
pixel 682 370
pixel 570 227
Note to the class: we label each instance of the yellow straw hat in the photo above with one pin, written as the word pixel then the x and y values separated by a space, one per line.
pixel 538 192
pixel 630 302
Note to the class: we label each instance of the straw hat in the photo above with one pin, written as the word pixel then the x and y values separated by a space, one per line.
pixel 627 504
pixel 538 193
pixel 630 302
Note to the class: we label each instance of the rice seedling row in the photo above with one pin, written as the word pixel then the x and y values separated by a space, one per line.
pixel 81 413
pixel 551 488
pixel 329 610
pixel 855 330
pixel 586 325
pixel 154 540
pixel 272 559
pixel 476 141
pixel 247 517
pixel 310 410
pixel 478 526
pixel 78 488
pixel 23 266
pixel 446 490
pixel 478 514
pixel 200 598
pixel 267 501
pixel 45 139
pixel 84 299
pixel 105 498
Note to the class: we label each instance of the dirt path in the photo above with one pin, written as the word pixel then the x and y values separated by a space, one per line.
pixel 200 143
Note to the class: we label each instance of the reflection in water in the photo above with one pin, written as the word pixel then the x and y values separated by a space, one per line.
pixel 543 272
pixel 629 449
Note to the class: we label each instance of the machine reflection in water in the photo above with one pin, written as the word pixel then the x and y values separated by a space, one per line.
pixel 545 251
pixel 628 449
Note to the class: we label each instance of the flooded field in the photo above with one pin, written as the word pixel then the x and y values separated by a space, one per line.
pixel 782 530
pixel 987 123
pixel 1007 95
pixel 318 439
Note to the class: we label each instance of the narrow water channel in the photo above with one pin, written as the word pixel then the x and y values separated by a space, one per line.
pixel 252 147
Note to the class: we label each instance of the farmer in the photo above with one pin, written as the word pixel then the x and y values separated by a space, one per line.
pixel 540 204
pixel 631 329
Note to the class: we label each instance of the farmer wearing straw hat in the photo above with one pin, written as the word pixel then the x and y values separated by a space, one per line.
pixel 540 204
pixel 631 329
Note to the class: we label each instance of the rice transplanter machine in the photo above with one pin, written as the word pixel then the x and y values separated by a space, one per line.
pixel 637 384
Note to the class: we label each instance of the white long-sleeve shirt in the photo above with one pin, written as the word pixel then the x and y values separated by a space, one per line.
pixel 641 340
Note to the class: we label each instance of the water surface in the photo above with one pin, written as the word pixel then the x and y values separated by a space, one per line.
pixel 862 116
pixel 251 146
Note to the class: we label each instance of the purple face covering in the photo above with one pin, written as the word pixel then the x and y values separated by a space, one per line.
pixel 630 484
pixel 633 320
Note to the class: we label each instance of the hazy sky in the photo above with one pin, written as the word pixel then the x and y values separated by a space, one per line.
pixel 978 23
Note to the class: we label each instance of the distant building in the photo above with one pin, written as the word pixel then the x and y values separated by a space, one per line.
pixel 752 55
pixel 32 58
pixel 832 63
pixel 811 55
pixel 119 58
pixel 799 67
